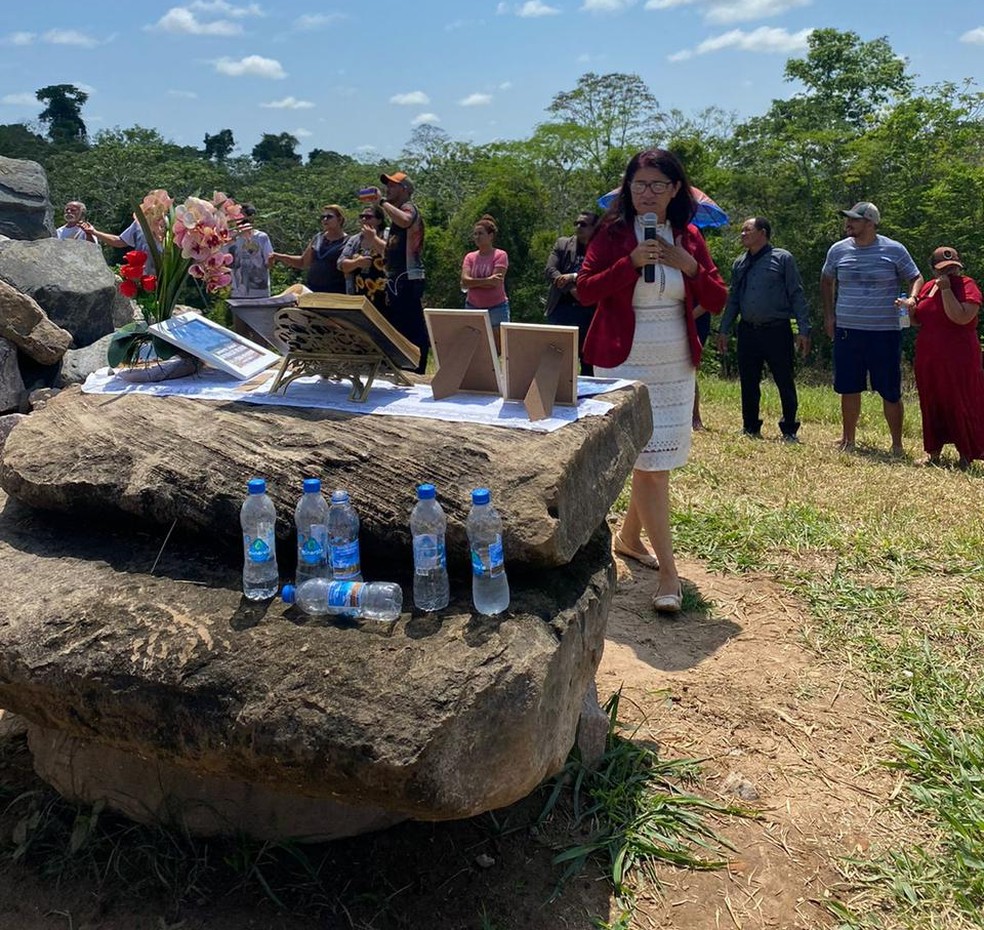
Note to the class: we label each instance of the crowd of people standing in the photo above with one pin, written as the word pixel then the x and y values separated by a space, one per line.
pixel 640 285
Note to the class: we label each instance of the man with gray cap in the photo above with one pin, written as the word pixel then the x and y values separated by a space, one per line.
pixel 859 286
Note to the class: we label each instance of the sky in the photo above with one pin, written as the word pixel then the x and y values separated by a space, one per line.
pixel 357 78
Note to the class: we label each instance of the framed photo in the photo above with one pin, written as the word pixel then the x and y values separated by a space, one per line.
pixel 215 345
pixel 464 349
pixel 541 365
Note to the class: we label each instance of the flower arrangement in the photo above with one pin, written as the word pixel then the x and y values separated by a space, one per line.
pixel 183 239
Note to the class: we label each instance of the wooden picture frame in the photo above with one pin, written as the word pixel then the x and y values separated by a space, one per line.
pixel 464 349
pixel 215 345
pixel 541 365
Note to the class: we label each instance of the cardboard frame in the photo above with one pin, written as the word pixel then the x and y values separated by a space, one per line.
pixel 541 365
pixel 464 349
pixel 215 345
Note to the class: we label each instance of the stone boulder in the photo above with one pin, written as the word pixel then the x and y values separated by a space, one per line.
pixel 25 210
pixel 78 364
pixel 26 325
pixel 431 717
pixel 12 390
pixel 71 282
pixel 166 459
pixel 7 423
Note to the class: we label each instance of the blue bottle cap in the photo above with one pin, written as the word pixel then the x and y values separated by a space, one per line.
pixel 287 594
pixel 339 497
pixel 256 486
pixel 481 496
pixel 426 492
pixel 312 485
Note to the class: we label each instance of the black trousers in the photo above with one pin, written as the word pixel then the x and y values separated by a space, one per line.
pixel 405 310
pixel 571 314
pixel 770 344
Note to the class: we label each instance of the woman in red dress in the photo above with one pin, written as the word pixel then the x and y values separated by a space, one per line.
pixel 948 368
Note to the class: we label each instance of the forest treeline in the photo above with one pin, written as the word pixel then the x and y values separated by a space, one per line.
pixel 857 128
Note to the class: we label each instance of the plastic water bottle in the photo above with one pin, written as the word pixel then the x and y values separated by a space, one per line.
pixel 903 308
pixel 430 568
pixel 490 589
pixel 374 600
pixel 258 519
pixel 343 539
pixel 311 519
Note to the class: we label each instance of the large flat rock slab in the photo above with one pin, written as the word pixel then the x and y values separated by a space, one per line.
pixel 173 459
pixel 432 717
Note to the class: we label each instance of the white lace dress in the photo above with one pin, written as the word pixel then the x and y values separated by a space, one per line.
pixel 660 358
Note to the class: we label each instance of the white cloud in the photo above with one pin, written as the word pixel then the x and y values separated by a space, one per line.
pixel 501 9
pixel 428 118
pixel 606 6
pixel 974 36
pixel 311 21
pixel 252 65
pixel 20 100
pixel 302 133
pixel 731 11
pixel 366 148
pixel 288 103
pixel 414 98
pixel 536 8
pixel 69 37
pixel 475 100
pixel 505 85
pixel 19 38
pixel 181 21
pixel 764 39
pixel 183 94
pixel 222 6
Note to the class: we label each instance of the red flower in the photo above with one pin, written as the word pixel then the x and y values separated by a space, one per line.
pixel 128 288
pixel 149 282
pixel 131 272
pixel 136 257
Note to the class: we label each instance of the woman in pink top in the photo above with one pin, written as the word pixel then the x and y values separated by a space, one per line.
pixel 483 275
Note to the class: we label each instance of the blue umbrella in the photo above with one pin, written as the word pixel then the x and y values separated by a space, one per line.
pixel 708 215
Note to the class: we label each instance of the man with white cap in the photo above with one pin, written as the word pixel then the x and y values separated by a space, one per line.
pixel 859 286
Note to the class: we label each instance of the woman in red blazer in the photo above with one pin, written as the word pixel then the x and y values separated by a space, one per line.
pixel 644 330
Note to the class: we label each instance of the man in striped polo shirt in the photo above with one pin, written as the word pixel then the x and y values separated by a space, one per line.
pixel 859 286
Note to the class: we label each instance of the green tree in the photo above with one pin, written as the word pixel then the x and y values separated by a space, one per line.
pixel 219 146
pixel 17 141
pixel 617 110
pixel 63 112
pixel 277 149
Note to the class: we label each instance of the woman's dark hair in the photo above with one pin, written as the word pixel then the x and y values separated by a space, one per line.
pixel 681 208
pixel 377 211
pixel 488 224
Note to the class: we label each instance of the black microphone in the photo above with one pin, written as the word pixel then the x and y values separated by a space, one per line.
pixel 649 222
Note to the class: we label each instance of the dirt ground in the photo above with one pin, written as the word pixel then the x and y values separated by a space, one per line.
pixel 731 684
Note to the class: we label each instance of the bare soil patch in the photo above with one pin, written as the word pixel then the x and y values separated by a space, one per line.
pixel 731 683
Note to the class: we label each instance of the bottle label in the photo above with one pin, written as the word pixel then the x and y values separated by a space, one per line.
pixel 260 548
pixel 345 560
pixel 488 562
pixel 311 550
pixel 344 595
pixel 428 552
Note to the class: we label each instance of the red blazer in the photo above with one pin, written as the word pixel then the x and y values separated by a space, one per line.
pixel 608 278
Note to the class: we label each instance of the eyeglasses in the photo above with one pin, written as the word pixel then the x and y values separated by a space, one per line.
pixel 580 224
pixel 657 187
pixel 367 216
pixel 329 216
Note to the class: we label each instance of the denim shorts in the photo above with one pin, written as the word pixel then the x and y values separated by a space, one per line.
pixel 498 314
pixel 860 353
